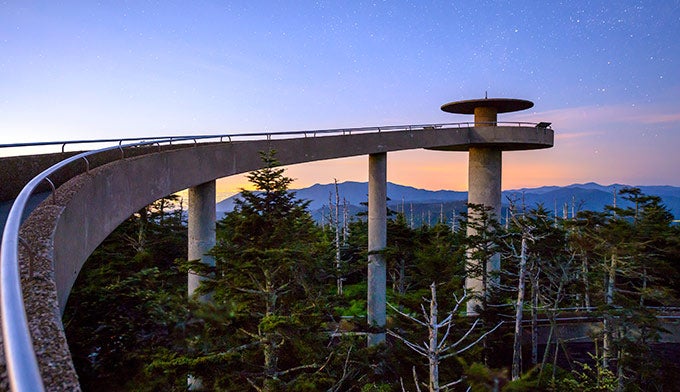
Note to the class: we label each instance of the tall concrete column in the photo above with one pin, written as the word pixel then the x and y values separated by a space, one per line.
pixel 484 187
pixel 377 241
pixel 202 214
pixel 484 177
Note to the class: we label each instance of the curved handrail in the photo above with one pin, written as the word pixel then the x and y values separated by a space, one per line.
pixel 22 364
pixel 269 135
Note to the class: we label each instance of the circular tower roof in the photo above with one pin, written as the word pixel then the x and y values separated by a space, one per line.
pixel 502 105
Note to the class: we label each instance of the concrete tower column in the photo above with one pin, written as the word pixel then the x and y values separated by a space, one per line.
pixel 486 116
pixel 202 214
pixel 377 241
pixel 484 166
pixel 484 187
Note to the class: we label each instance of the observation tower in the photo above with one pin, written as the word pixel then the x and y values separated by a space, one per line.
pixel 488 140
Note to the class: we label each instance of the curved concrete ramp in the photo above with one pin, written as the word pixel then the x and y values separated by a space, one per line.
pixel 66 229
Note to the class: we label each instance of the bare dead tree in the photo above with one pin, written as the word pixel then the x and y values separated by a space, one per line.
pixel 534 314
pixel 337 238
pixel 436 349
pixel 517 345
pixel 586 281
pixel 609 300
pixel 345 221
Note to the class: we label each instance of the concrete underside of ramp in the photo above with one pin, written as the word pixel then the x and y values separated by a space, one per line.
pixel 65 229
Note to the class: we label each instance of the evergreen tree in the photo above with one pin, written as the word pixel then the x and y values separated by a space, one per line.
pixel 401 244
pixel 642 264
pixel 271 267
pixel 630 254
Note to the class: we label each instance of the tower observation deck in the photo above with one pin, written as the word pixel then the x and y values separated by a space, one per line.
pixel 485 170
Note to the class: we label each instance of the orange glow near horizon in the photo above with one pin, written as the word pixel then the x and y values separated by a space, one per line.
pixel 229 186
pixel 433 170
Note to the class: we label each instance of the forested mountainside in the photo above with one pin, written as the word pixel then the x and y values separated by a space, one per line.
pixel 288 301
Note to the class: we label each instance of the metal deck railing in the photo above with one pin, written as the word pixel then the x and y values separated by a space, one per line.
pixel 269 135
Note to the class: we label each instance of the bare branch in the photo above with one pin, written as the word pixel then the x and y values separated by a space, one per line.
pixel 446 335
pixel 252 384
pixel 406 315
pixel 458 301
pixel 345 374
pixel 328 360
pixel 475 342
pixel 447 320
pixel 415 379
pixel 469 331
pixel 413 346
pixel 311 366
pixel 425 313
pixel 249 291
pixel 452 383
pixel 256 281
pixel 252 335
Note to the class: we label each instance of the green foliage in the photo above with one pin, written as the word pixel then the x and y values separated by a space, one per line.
pixel 128 299
pixel 271 273
pixel 376 387
pixel 589 378
pixel 274 307
pixel 482 379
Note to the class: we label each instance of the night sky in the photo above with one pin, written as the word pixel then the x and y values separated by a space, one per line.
pixel 606 74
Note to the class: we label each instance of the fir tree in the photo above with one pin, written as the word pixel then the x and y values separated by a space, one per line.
pixel 271 266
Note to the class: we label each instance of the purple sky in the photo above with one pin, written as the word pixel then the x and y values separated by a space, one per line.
pixel 606 74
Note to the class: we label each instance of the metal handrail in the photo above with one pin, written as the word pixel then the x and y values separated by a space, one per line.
pixel 269 135
pixel 22 365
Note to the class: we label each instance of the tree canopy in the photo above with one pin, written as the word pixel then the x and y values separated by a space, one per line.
pixel 276 321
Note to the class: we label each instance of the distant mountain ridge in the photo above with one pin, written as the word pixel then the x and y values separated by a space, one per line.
pixel 587 196
pixel 592 196
pixel 658 190
pixel 356 193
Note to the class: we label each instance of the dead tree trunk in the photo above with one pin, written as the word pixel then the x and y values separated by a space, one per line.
pixel 268 340
pixel 517 347
pixel 586 284
pixel 534 317
pixel 609 300
pixel 337 239
pixel 433 352
pixel 435 349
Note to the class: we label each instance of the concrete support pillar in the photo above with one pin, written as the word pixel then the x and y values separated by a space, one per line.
pixel 484 177
pixel 377 241
pixel 484 187
pixel 202 212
